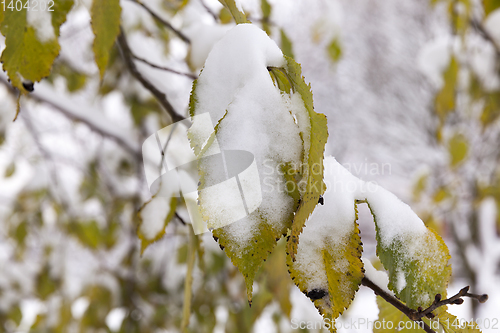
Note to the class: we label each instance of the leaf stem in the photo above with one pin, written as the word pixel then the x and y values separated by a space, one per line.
pixel 188 284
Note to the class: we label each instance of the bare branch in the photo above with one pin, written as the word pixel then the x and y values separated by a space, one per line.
pixel 129 61
pixel 189 75
pixel 216 18
pixel 162 21
pixel 83 116
pixel 417 315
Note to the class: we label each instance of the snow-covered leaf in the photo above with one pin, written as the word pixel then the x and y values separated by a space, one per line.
pixel 415 257
pixel 154 217
pixel 251 115
pixel 106 27
pixel 314 133
pixel 328 266
pixel 30 47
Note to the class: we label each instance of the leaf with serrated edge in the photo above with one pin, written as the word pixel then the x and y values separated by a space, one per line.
pixel 239 17
pixel 415 257
pixel 342 272
pixel 25 56
pixel 314 173
pixel 106 27
pixel 245 93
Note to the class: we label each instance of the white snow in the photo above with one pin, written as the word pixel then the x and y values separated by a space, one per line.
pixel 433 59
pixel 153 216
pixel 203 37
pixel 41 21
pixel 380 278
pixel 492 25
pixel 258 120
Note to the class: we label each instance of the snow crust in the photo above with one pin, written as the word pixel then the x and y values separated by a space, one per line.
pixel 235 88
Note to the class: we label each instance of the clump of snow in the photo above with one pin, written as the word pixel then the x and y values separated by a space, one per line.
pixel 41 21
pixel 380 278
pixel 235 88
pixel 203 37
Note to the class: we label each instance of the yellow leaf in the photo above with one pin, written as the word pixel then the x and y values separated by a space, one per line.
pixel 457 147
pixel 445 99
pixel 239 17
pixel 106 27
pixel 25 57
pixel 343 272
pixel 314 156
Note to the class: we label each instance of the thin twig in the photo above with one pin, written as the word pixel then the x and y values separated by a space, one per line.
pixel 216 18
pixel 129 61
pixel 410 313
pixel 417 315
pixel 189 75
pixel 163 21
pixel 455 299
pixel 71 115
pixel 180 218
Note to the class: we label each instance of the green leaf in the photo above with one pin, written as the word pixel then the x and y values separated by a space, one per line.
pixel 286 44
pixel 457 147
pixel 25 56
pixel 239 17
pixel 334 50
pixel 417 265
pixel 88 233
pixel 15 314
pixel 445 99
pixel 490 5
pixel 106 27
pixel 165 207
pixel 61 10
pixel 314 155
pixel 10 170
pixel 45 284
pixel 343 272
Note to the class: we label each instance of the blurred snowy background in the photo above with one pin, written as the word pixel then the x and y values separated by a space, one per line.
pixel 411 90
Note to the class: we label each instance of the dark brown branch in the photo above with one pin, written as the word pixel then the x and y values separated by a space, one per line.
pixel 181 220
pixel 129 61
pixel 417 315
pixel 162 21
pixel 455 299
pixel 410 313
pixel 189 75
